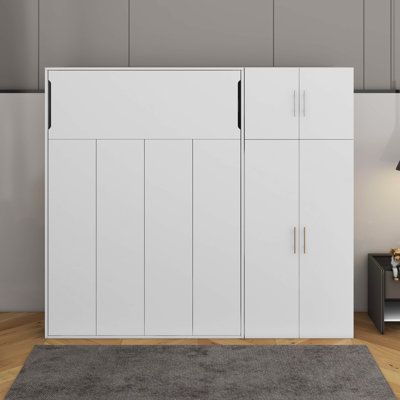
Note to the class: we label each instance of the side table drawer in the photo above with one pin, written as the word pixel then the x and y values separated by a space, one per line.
pixel 392 287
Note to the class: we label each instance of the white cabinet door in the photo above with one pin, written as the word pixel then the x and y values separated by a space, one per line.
pixel 168 237
pixel 120 237
pixel 326 261
pixel 216 237
pixel 326 103
pixel 272 103
pixel 271 239
pixel 72 237
pixel 140 104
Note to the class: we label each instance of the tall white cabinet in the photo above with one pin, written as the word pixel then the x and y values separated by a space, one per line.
pixel 299 203
pixel 199 202
pixel 143 203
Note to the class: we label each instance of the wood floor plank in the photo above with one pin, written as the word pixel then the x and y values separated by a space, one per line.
pixel 19 332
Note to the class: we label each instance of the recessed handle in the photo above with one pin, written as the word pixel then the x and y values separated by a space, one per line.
pixel 294 240
pixel 239 99
pixel 48 104
pixel 304 241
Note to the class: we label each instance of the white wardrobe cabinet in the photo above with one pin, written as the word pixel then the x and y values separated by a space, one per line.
pixel 299 238
pixel 299 103
pixel 171 211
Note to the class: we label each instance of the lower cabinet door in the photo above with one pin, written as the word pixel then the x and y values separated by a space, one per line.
pixel 271 239
pixel 326 221
pixel 216 237
pixel 120 237
pixel 168 237
pixel 72 237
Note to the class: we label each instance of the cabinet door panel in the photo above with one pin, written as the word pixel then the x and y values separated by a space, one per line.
pixel 140 104
pixel 120 237
pixel 272 103
pixel 216 237
pixel 326 262
pixel 72 237
pixel 168 237
pixel 271 245
pixel 326 103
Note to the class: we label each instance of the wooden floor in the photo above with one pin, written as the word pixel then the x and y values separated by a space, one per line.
pixel 19 332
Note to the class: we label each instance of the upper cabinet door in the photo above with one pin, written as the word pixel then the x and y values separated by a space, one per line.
pixel 144 104
pixel 272 103
pixel 326 103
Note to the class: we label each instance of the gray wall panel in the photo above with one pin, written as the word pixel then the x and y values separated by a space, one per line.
pixel 396 44
pixel 18 44
pixel 21 202
pixel 83 33
pixel 201 33
pixel 377 44
pixel 320 33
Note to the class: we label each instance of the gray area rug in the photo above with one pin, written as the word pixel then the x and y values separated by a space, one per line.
pixel 200 372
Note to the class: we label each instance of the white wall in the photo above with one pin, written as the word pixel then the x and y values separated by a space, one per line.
pixel 21 202
pixel 377 190
pixel 377 199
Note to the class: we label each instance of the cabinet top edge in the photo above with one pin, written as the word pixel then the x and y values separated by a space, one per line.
pixel 186 68
pixel 48 69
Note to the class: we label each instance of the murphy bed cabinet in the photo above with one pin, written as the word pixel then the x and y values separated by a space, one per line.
pixel 174 211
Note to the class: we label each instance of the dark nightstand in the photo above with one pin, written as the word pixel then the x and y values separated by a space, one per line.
pixel 383 291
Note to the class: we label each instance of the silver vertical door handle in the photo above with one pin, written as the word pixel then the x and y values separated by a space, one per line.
pixel 294 240
pixel 304 240
pixel 294 103
pixel 304 103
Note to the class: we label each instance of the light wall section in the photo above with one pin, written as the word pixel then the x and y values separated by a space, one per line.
pixel 21 202
pixel 377 183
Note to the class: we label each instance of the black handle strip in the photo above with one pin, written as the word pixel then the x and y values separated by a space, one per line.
pixel 239 122
pixel 48 104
